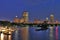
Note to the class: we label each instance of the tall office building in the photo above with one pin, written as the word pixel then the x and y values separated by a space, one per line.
pixel 25 16
pixel 51 18
pixel 16 19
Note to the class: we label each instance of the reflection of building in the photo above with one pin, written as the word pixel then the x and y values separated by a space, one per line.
pixel 51 18
pixel 25 33
pixel 25 16
pixel 16 19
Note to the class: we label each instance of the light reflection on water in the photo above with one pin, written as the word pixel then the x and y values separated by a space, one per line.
pixel 2 36
pixel 9 38
pixel 56 33
pixel 22 34
pixel 5 37
pixel 51 33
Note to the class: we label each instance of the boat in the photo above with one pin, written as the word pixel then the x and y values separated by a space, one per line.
pixel 39 29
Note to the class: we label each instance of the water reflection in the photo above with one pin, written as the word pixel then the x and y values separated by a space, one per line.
pixel 2 36
pixel 5 37
pixel 57 33
pixel 51 33
pixel 24 34
pixel 9 37
pixel 21 34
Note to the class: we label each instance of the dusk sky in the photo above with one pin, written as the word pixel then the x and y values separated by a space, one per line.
pixel 37 8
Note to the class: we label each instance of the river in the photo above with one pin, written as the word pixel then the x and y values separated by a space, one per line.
pixel 25 33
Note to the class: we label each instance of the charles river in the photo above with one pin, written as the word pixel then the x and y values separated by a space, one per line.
pixel 30 33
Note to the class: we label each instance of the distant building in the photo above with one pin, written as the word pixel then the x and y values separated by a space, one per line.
pixel 21 20
pixel 16 19
pixel 51 18
pixel 47 19
pixel 25 16
pixel 56 22
pixel 37 21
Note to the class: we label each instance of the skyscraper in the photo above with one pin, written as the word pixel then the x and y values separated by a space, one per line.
pixel 51 18
pixel 25 16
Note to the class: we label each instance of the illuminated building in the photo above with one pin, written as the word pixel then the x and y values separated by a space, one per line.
pixel 16 19
pixel 25 16
pixel 37 21
pixel 47 19
pixel 21 20
pixel 56 22
pixel 51 18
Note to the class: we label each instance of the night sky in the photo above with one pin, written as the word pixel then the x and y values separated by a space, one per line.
pixel 37 8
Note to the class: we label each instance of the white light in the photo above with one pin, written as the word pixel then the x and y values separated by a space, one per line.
pixel 2 36
pixel 16 16
pixel 46 18
pixel 51 15
pixel 3 30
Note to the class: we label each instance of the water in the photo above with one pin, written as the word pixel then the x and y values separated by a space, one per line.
pixel 53 33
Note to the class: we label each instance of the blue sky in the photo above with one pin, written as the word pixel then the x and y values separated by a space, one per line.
pixel 37 8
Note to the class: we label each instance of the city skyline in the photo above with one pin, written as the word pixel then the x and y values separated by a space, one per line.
pixel 36 8
pixel 52 14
